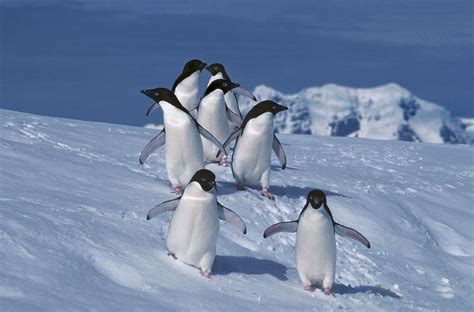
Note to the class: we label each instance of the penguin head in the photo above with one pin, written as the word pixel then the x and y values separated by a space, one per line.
pixel 161 94
pixel 270 106
pixel 221 84
pixel 206 178
pixel 316 198
pixel 262 108
pixel 193 66
pixel 158 94
pixel 216 68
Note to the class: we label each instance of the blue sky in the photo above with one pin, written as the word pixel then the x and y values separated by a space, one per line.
pixel 88 59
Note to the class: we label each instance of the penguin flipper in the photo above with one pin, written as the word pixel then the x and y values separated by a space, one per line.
pixel 236 109
pixel 194 113
pixel 230 216
pixel 290 227
pixel 232 137
pixel 157 141
pixel 211 138
pixel 278 149
pixel 165 206
pixel 152 108
pixel 233 117
pixel 351 233
pixel 242 91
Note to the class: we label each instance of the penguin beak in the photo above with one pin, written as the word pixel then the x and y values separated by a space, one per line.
pixel 233 86
pixel 242 91
pixel 281 108
pixel 155 105
pixel 317 204
pixel 209 69
pixel 208 186
pixel 203 65
pixel 148 93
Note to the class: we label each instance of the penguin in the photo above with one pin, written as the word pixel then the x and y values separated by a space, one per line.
pixel 213 114
pixel 315 241
pixel 251 160
pixel 217 71
pixel 186 86
pixel 184 152
pixel 194 227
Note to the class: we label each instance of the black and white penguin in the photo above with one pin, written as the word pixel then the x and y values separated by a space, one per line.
pixel 251 161
pixel 315 241
pixel 192 233
pixel 218 71
pixel 186 86
pixel 184 152
pixel 213 114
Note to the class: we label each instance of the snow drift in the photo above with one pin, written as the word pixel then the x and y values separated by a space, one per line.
pixel 73 233
pixel 388 112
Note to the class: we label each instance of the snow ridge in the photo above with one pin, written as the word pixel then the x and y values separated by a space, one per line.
pixel 387 112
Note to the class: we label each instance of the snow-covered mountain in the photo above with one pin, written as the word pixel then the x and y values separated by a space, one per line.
pixel 388 112
pixel 74 235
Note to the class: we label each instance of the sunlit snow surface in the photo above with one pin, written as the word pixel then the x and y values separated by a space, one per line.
pixel 73 234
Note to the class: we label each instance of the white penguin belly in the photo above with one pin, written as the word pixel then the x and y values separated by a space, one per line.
pixel 187 91
pixel 190 100
pixel 192 234
pixel 184 154
pixel 252 155
pixel 316 249
pixel 212 116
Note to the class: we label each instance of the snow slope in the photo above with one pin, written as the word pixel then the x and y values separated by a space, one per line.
pixel 73 234
pixel 387 112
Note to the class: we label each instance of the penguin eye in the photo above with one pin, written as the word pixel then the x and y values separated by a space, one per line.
pixel 203 179
pixel 157 93
pixel 216 68
pixel 225 84
pixel 274 107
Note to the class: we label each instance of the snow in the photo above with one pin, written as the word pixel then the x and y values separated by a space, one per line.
pixel 468 125
pixel 74 235
pixel 387 112
pixel 153 126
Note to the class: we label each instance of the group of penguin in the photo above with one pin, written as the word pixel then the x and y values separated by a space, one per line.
pixel 198 130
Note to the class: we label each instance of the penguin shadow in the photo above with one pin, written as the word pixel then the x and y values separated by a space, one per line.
pixel 298 191
pixel 226 188
pixel 225 265
pixel 376 290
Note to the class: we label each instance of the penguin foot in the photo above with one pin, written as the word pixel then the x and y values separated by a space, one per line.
pixel 178 190
pixel 309 288
pixel 240 187
pixel 170 254
pixel 266 193
pixel 327 291
pixel 206 274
